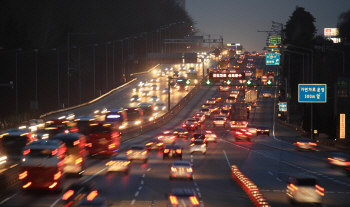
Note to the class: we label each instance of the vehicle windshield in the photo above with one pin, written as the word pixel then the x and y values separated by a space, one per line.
pixel 100 129
pixel 307 182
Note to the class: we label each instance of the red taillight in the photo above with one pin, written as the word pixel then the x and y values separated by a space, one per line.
pixel 319 187
pixel 23 175
pixel 92 195
pixel 110 163
pixel 78 161
pixel 319 192
pixel 76 142
pixel 54 152
pixel 185 132
pixel 311 143
pixel 111 146
pixel 53 185
pixel 184 125
pixel 150 143
pixel 160 137
pixel 214 135
pixel 192 144
pixel 178 151
pixel 192 125
pixel 25 152
pixel 238 133
pixel 194 200
pixel 166 150
pixel 27 185
pixel 176 132
pixel 173 200
pixel 144 152
pixel 129 152
pixel 57 175
pixel 203 145
pixel 89 144
pixel 67 195
pixel 294 187
pixel 160 144
pixel 125 163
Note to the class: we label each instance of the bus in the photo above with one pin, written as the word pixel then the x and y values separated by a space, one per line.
pixel 103 139
pixel 76 156
pixel 147 111
pixel 44 165
pixel 133 116
pixel 60 124
pixel 83 122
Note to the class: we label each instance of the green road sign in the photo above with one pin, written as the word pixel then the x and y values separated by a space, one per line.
pixel 275 40
pixel 228 82
pixel 188 81
pixel 249 82
pixel 269 82
pixel 208 82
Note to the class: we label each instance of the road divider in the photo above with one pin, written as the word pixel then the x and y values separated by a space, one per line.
pixel 145 71
pixel 249 187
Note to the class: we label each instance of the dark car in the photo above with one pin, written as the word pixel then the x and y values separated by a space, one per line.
pixel 154 144
pixel 185 196
pixel 262 130
pixel 77 191
pixel 270 72
pixel 217 98
pixel 243 134
pixel 198 137
pixel 172 151
pixel 181 133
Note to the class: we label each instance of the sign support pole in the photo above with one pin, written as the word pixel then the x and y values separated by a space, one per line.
pixel 169 94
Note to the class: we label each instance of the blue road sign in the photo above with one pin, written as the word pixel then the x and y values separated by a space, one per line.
pixel 272 59
pixel 312 93
pixel 282 106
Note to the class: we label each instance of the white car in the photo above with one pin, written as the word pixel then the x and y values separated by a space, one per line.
pixel 155 88
pixel 210 136
pixel 154 99
pixel 155 80
pixel 137 152
pixel 224 88
pixel 181 169
pixel 198 146
pixel 166 90
pixel 219 121
pixel 118 164
pixel 159 106
pixel 266 94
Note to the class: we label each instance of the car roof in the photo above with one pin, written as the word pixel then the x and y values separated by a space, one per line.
pixel 182 162
pixel 136 146
pixel 182 192
pixel 180 129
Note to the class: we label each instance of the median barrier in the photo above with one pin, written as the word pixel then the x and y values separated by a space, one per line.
pixel 249 187
pixel 144 71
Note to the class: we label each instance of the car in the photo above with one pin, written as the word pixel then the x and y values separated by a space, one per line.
pixel 206 112
pixel 92 200
pixel 248 73
pixel 135 98
pixel 210 136
pixel 252 129
pixel 217 98
pixel 338 159
pixel 249 106
pixel 166 90
pixel 159 106
pixel 146 92
pixel 219 121
pixel 155 144
pixel 250 60
pixel 155 88
pixel 137 152
pixel 182 68
pixel 154 99
pixel 198 137
pixel 181 169
pixel 176 73
pixel 172 151
pixel 118 164
pixel 77 191
pixel 305 144
pixel 180 133
pixel 261 130
pixel 240 61
pixel 155 80
pixel 198 146
pixel 167 138
pixel 304 188
pixel 225 112
pixel 249 66
pixel 266 94
pixel 168 68
pixel 232 71
pixel 235 67
pixel 200 117
pixel 270 72
pixel 210 101
pixel 183 196
pixel 253 53
pixel 234 94
pixel 160 74
pixel 243 134
pixel 224 88
pixel 190 125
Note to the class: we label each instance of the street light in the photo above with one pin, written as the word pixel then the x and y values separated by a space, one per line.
pixel 123 69
pixel 35 50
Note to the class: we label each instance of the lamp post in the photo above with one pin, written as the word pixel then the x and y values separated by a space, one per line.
pixel 123 69
pixel 300 53
pixel 35 50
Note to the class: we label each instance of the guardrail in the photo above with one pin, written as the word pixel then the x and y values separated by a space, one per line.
pixel 144 71
pixel 249 187
pixel 8 179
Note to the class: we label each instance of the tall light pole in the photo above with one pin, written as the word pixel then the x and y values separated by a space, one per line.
pixel 35 50
pixel 123 69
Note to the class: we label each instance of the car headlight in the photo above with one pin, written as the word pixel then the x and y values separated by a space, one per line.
pixel 163 108
pixel 138 122
pixel 131 99
pixel 155 108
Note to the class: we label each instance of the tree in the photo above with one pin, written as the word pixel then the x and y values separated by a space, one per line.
pixel 300 29
pixel 344 25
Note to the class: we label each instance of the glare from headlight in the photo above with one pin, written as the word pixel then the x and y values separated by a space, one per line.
pixel 155 108
pixel 122 127
pixel 163 107
pixel 138 122
pixel 45 136
pixel 150 119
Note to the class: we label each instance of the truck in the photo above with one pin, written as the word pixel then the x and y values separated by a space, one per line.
pixel 251 96
pixel 238 116
pixel 259 73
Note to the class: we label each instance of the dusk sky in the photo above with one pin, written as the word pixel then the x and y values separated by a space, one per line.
pixel 239 20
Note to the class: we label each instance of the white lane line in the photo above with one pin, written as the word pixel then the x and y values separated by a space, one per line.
pixel 143 175
pixel 141 182
pixel 140 187
pixel 137 193
pixel 270 173
pixel 199 194
pixel 191 160
pixel 228 162
pixel 279 179
pixel 149 169
pixel 197 189
pixel 133 201
pixel 191 155
pixel 15 195
pixel 195 183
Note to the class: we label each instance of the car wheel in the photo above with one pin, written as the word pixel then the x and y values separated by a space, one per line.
pixel 191 178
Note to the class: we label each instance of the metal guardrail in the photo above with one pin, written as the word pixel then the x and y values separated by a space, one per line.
pixel 8 179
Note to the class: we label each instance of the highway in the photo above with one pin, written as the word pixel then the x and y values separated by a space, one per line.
pixel 267 161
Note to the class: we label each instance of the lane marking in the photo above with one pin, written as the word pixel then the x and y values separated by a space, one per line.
pixel 270 173
pixel 141 182
pixel 137 193
pixel 143 175
pixel 149 169
pixel 133 201
pixel 279 179
pixel 228 162
pixel 140 187
pixel 14 196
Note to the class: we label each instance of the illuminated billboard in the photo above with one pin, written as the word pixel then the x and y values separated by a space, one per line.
pixel 331 32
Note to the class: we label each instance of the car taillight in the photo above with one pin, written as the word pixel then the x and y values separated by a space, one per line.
pixel 173 169
pixel 192 144
pixel 238 133
pixel 166 150
pixel 150 143
pixel 173 200
pixel 144 152
pixel 57 175
pixel 129 152
pixel 76 142
pixel 92 195
pixel 176 132
pixel 78 161
pixel 300 143
pixel 185 132
pixel 194 200
pixel 248 133
pixel 294 187
pixel 203 145
pixel 110 163
pixel 160 137
pixel 27 185
pixel 192 125
pixel 178 151
pixel 189 170
pixel 111 146
pixel 184 125
pixel 319 190
pixel 23 175
pixel 89 145
pixel 160 144
pixel 53 185
pixel 311 143
pixel 125 163
pixel 25 152
pixel 67 195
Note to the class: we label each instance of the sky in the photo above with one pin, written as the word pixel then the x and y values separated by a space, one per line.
pixel 239 20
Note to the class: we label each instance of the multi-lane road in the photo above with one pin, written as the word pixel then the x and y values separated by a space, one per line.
pixel 267 161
